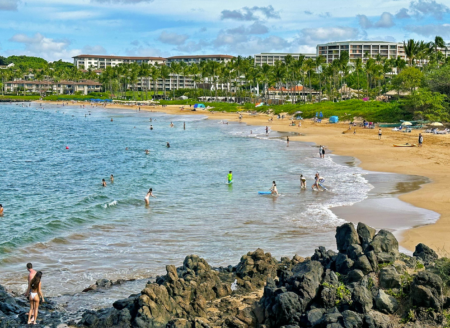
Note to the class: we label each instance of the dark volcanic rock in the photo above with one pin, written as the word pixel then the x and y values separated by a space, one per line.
pixel 345 236
pixel 343 264
pixel 389 278
pixel 426 291
pixel 365 234
pixel 362 299
pixel 352 319
pixel 386 303
pixel 375 319
pixel 385 246
pixel 425 253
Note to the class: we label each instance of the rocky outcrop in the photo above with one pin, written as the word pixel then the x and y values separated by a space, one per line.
pixel 366 284
pixel 425 253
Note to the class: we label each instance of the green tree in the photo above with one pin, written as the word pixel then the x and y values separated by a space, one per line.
pixel 427 105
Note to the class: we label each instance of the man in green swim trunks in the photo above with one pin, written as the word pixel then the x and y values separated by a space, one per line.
pixel 230 177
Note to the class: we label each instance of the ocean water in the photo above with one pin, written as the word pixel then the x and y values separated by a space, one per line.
pixel 59 217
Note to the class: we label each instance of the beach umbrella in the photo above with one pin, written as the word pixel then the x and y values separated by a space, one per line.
pixel 436 124
pixel 406 123
pixel 298 112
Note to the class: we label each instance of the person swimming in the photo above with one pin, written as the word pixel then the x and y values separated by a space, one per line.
pixel 168 145
pixel 111 178
pixel 230 177
pixel 147 152
pixel 103 183
pixel 1 210
pixel 147 197
pixel 171 125
pixel 151 127
pixel 274 189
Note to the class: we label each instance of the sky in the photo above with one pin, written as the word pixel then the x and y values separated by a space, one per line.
pixel 61 29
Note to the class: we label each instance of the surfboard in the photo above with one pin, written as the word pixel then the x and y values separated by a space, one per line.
pixel 264 192
pixel 230 182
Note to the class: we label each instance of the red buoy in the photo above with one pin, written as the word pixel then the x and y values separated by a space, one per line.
pixel 67 147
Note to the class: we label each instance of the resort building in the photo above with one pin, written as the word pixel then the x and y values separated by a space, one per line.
pixel 271 58
pixel 101 62
pixel 199 58
pixel 61 87
pixel 361 49
pixel 294 93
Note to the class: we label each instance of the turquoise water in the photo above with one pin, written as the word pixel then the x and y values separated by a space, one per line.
pixel 60 218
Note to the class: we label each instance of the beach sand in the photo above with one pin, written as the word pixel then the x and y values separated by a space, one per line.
pixel 430 161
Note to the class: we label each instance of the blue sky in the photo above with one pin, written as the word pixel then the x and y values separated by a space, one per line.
pixel 60 29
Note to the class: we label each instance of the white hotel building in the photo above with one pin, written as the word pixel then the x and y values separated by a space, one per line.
pixel 101 61
pixel 271 58
pixel 359 49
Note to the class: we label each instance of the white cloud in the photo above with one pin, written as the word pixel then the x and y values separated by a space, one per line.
pixel 386 20
pixel 429 7
pixel 122 1
pixel 74 15
pixel 250 14
pixel 94 50
pixel 41 46
pixel 431 30
pixel 172 38
pixel 8 5
pixel 255 28
pixel 402 14
pixel 246 45
pixel 192 46
pixel 312 36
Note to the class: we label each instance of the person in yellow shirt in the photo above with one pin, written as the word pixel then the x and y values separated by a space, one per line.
pixel 230 177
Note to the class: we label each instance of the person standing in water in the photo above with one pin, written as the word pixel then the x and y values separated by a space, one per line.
pixel 151 127
pixel 171 125
pixel 184 125
pixel 103 183
pixel 267 129
pixel 274 189
pixel 287 141
pixel 1 210
pixel 168 145
pixel 35 295
pixel 147 197
pixel 112 178
pixel 230 177
pixel 302 182
pixel 320 151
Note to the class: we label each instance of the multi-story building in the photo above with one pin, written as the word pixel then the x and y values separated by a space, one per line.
pixel 197 59
pixel 271 58
pixel 361 49
pixel 61 87
pixel 101 62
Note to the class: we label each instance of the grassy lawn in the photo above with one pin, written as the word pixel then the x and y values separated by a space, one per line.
pixel 25 98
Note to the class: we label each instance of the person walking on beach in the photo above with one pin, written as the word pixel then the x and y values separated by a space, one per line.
pixel 420 145
pixel 230 177
pixel 103 183
pixel 147 197
pixel 112 178
pixel 379 134
pixel 35 295
pixel 287 141
pixel 31 274
pixel 302 182
pixel 274 189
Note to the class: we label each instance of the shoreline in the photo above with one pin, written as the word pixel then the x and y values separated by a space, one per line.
pixel 374 155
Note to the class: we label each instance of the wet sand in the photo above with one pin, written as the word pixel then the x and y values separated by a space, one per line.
pixel 375 155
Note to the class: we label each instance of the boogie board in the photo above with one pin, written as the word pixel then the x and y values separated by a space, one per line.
pixel 264 192
pixel 230 182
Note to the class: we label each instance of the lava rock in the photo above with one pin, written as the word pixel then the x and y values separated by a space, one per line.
pixel 361 299
pixel 346 235
pixel 374 319
pixel 386 303
pixel 343 264
pixel 389 278
pixel 426 291
pixel 352 319
pixel 425 253
pixel 366 234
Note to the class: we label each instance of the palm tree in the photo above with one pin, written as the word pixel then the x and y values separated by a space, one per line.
pixel 155 74
pixel 165 74
pixel 319 61
pixel 309 66
pixel 411 48
pixel 358 69
pixel 175 68
pixel 279 74
pixel 184 72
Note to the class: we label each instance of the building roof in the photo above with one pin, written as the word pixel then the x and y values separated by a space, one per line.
pixel 365 42
pixel 293 89
pixel 286 53
pixel 201 56
pixel 87 82
pixel 119 57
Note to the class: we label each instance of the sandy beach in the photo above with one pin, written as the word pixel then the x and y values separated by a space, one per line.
pixel 375 155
